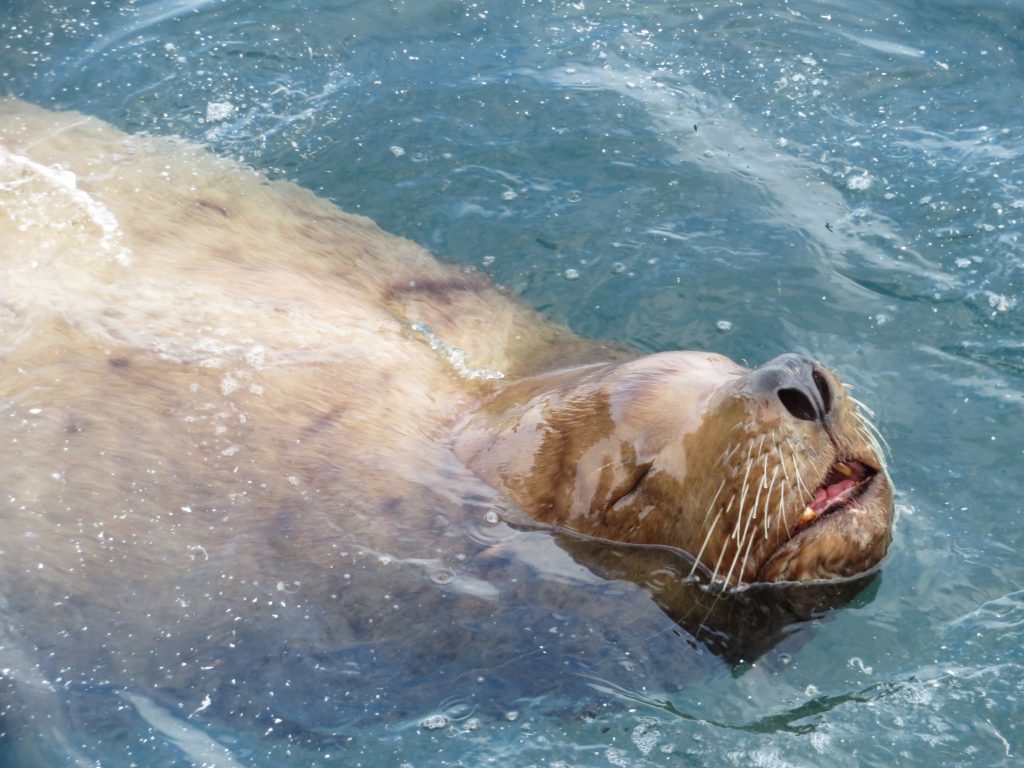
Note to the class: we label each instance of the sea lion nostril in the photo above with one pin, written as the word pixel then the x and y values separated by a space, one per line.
pixel 798 404
pixel 824 389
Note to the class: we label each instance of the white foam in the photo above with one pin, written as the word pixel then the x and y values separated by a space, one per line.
pixel 217 111
pixel 66 183
pixel 456 357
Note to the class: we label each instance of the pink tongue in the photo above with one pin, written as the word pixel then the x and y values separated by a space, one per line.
pixel 824 495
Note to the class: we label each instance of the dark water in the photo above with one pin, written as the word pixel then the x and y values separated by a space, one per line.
pixel 841 179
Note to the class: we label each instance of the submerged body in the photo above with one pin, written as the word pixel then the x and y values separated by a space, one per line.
pixel 219 392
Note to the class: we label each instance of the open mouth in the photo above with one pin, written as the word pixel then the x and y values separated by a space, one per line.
pixel 845 482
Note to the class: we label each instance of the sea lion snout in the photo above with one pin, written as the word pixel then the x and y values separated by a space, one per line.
pixel 803 387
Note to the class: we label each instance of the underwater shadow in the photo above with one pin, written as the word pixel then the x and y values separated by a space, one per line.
pixel 738 625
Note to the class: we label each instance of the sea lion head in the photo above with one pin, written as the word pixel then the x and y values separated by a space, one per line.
pixel 765 474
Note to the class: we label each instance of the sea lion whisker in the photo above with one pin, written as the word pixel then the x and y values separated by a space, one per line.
pixel 725 513
pixel 703 546
pixel 803 464
pixel 768 498
pixel 744 488
pixel 740 541
pixel 796 468
pixel 743 521
pixel 743 547
pixel 757 497
pixel 782 514
pixel 760 487
pixel 712 504
pixel 728 456
pixel 718 562
pixel 785 472
pixel 752 512
pixel 869 432
pixel 862 406
pixel 747 535
pixel 735 559
pixel 875 431
pixel 865 415
pixel 746 555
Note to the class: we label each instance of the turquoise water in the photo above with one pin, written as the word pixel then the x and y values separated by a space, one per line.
pixel 840 179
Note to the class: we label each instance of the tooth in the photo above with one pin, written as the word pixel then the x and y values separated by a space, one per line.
pixel 808 515
pixel 844 469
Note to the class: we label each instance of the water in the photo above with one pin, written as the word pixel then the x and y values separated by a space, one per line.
pixel 844 180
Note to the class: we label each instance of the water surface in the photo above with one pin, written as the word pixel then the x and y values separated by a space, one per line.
pixel 840 179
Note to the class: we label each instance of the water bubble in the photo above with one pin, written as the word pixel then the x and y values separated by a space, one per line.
pixel 397 151
pixel 434 722
pixel 256 356
pixel 218 110
pixel 512 715
pixel 442 577
pixel 617 757
pixel 509 194
pixel 859 183
pixel 571 274
pixel 724 326
pixel 1001 303
pixel 228 385
pixel 491 517
pixel 645 736
pixel 575 196
pixel 487 261
pixel 618 268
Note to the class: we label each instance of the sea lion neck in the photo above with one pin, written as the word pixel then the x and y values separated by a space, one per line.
pixel 516 440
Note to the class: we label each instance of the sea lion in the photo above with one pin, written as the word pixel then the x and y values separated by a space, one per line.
pixel 247 435
pixel 141 271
